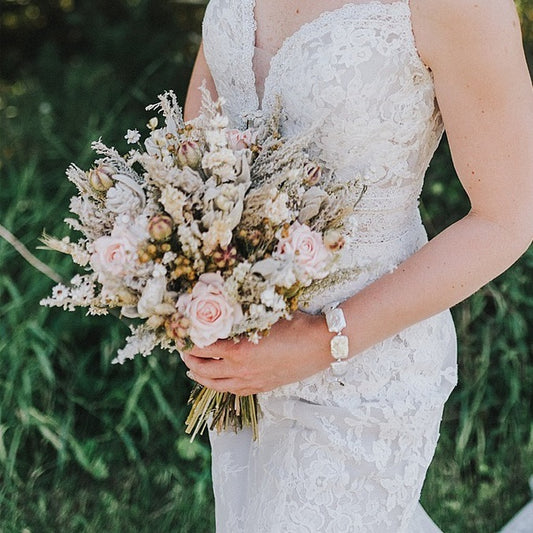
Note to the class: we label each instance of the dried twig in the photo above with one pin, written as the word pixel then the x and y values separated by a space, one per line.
pixel 28 256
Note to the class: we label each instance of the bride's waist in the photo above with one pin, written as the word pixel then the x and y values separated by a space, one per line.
pixel 379 225
pixel 381 240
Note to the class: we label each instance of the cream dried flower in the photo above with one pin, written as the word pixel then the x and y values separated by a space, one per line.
pixel 188 180
pixel 190 239
pixel 218 234
pixel 276 208
pixel 220 163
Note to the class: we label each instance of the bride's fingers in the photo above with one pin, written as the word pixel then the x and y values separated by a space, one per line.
pixel 204 353
pixel 215 350
pixel 207 368
pixel 219 385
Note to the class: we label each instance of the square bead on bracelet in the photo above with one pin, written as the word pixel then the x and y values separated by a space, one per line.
pixel 336 322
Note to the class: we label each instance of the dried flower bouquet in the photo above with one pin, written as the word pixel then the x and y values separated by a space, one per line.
pixel 201 233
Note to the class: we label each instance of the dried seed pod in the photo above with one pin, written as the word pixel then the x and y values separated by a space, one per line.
pixel 160 227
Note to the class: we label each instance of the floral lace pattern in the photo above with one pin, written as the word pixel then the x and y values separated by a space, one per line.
pixel 333 458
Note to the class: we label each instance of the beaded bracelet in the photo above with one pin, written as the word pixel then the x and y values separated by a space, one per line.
pixel 336 322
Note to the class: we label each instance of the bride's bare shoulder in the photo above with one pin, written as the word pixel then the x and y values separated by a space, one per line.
pixel 442 26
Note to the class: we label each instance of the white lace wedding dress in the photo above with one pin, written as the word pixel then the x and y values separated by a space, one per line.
pixel 352 458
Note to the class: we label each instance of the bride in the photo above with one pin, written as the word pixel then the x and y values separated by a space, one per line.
pixel 345 447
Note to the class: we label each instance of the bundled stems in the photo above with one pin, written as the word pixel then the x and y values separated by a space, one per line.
pixel 222 410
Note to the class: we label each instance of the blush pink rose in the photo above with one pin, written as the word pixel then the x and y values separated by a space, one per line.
pixel 113 255
pixel 240 140
pixel 210 313
pixel 306 249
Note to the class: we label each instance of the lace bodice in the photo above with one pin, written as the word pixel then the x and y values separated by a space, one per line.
pixel 353 75
pixel 353 457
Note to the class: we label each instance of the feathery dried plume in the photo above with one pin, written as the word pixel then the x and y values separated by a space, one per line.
pixel 169 106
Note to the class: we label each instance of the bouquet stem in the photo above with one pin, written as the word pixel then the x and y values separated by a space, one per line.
pixel 221 410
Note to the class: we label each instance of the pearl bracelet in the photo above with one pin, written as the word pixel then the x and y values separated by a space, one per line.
pixel 336 322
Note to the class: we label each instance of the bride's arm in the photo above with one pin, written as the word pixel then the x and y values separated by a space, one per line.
pixel 200 72
pixel 484 92
pixel 485 96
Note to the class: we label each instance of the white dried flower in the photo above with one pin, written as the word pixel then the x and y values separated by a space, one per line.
pixel 256 310
pixel 218 234
pixel 77 280
pixel 60 293
pixel 97 311
pixel 83 294
pixel 220 121
pixel 159 170
pixel 122 199
pixel 153 293
pixel 80 255
pixel 266 267
pixel 254 337
pixel 223 203
pixel 199 265
pixel 142 341
pixel 168 258
pixel 285 276
pixel 241 271
pixel 230 197
pixel 132 136
pixel 272 299
pixel 276 208
pixel 173 201
pixel 277 271
pixel 116 295
pixel 216 138
pixel 242 168
pixel 334 240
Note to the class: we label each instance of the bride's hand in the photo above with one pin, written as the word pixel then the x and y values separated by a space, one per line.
pixel 293 350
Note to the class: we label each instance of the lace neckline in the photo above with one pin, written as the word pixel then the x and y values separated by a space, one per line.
pixel 292 39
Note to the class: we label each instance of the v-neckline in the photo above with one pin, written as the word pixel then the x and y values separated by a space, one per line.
pixel 259 103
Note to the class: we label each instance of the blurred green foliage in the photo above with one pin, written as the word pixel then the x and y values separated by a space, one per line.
pixel 86 446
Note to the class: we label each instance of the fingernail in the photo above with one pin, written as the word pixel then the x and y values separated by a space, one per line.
pixel 189 374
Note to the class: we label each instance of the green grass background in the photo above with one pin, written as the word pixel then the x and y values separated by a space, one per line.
pixel 90 447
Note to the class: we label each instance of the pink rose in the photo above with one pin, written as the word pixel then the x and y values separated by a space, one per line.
pixel 112 255
pixel 307 251
pixel 240 140
pixel 210 313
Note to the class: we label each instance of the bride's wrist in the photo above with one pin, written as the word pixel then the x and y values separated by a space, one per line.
pixel 314 341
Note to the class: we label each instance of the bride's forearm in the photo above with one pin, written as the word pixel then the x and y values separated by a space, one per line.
pixel 448 269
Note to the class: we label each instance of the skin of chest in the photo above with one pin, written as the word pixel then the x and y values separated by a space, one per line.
pixel 278 19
